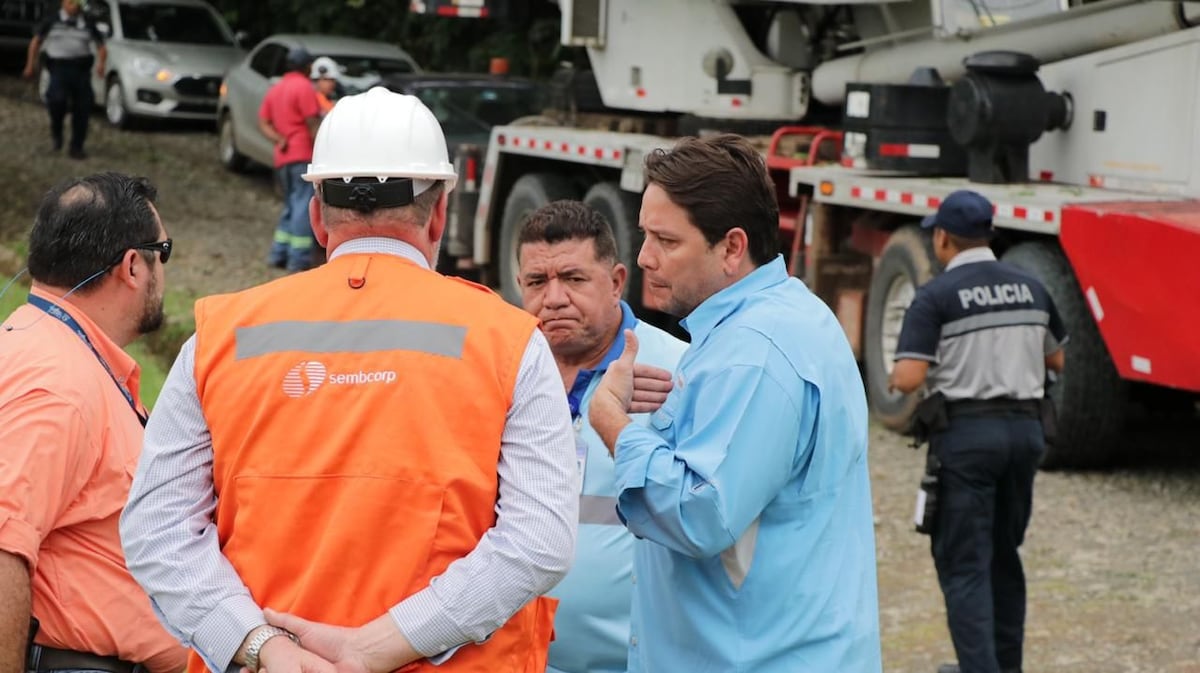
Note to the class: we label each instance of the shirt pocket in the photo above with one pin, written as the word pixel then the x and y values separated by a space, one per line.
pixel 663 422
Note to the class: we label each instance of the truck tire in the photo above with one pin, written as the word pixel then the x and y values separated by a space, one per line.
pixel 528 193
pixel 621 209
pixel 1090 395
pixel 907 263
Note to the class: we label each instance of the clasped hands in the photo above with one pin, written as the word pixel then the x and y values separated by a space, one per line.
pixel 375 647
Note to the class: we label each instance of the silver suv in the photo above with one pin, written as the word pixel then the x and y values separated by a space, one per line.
pixel 166 58
pixel 361 65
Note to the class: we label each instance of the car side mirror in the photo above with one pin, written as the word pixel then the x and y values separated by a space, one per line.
pixel 241 38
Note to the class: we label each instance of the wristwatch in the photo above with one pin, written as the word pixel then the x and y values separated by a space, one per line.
pixel 260 638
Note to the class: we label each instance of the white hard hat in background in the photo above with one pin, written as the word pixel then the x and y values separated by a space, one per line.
pixel 326 67
pixel 381 134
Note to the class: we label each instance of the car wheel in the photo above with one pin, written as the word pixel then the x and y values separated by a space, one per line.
pixel 114 105
pixel 227 146
pixel 43 83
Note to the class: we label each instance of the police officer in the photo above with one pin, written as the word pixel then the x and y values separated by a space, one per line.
pixel 66 38
pixel 982 335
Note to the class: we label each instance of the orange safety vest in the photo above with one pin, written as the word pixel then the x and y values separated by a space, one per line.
pixel 324 103
pixel 356 412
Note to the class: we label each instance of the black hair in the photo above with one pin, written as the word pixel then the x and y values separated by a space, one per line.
pixel 567 220
pixel 84 225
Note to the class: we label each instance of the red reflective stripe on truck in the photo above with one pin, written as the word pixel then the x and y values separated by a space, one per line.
pixel 463 12
pixel 561 147
pixel 1027 213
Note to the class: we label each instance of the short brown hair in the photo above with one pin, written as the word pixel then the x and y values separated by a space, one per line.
pixel 569 221
pixel 722 183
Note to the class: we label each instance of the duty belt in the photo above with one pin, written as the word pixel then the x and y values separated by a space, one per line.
pixel 1001 406
pixel 43 659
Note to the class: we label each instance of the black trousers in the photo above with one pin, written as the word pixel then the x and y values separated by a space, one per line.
pixel 70 90
pixel 985 498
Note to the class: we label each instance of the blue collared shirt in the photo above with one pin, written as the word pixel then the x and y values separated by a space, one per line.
pixel 751 494
pixel 592 623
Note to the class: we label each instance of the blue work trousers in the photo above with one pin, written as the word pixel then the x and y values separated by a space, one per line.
pixel 985 495
pixel 294 241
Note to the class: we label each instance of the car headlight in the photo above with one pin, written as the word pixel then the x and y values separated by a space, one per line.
pixel 145 66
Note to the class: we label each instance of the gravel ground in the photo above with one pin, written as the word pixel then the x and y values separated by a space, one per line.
pixel 221 223
pixel 1114 579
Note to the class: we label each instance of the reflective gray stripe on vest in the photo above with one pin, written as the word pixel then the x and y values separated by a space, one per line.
pixel 601 509
pixel 360 336
pixel 1029 316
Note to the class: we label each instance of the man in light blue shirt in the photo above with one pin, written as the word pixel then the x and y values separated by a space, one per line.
pixel 750 490
pixel 571 280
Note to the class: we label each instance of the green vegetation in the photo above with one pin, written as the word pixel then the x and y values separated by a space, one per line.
pixel 154 363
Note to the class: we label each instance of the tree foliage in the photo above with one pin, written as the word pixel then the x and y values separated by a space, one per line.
pixel 529 41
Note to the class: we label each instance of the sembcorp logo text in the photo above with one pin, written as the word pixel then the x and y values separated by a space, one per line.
pixel 306 377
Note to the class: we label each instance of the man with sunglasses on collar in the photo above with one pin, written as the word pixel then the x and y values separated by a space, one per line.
pixel 380 451
pixel 71 432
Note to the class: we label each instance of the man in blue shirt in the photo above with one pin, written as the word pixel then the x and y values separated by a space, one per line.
pixel 982 335
pixel 750 490
pixel 571 280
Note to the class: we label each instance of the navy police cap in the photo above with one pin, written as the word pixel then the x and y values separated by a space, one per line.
pixel 298 56
pixel 963 213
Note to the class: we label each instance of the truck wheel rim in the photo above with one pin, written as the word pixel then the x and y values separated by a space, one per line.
pixel 899 295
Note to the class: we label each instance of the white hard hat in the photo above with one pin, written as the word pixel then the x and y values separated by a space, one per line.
pixel 325 67
pixel 381 134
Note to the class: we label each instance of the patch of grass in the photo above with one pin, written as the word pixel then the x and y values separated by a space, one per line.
pixel 154 366
pixel 179 325
pixel 154 371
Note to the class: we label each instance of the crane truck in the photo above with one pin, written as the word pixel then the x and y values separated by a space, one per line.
pixel 1080 122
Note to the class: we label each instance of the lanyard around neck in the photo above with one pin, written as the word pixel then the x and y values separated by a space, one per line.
pixel 56 311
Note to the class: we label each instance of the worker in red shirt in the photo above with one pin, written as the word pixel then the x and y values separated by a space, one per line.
pixel 289 117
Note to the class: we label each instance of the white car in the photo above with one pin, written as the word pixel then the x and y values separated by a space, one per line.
pixel 361 64
pixel 166 58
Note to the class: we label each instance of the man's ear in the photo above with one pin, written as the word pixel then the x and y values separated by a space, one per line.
pixel 314 219
pixel 940 240
pixel 437 218
pixel 127 271
pixel 620 275
pixel 737 248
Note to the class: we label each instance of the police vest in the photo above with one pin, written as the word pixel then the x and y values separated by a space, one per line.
pixel 356 413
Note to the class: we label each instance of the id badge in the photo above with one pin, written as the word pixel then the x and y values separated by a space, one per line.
pixel 581 451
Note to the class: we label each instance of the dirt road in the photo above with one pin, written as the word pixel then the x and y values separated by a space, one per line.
pixel 221 222
pixel 1113 558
